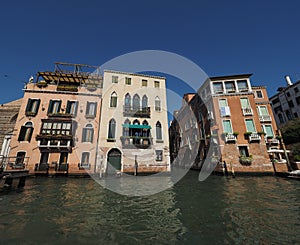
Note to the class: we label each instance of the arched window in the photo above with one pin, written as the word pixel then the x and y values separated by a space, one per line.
pixel 158 131
pixel 126 129
pixel 112 129
pixel 136 102
pixel 88 133
pixel 26 132
pixel 157 104
pixel 127 101
pixel 136 122
pixel 146 131
pixel 145 102
pixel 113 99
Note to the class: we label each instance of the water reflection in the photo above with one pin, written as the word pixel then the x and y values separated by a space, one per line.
pixel 219 210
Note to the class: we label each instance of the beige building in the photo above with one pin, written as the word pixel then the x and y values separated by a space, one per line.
pixel 134 124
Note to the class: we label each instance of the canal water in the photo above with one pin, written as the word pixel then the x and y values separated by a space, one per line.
pixel 219 210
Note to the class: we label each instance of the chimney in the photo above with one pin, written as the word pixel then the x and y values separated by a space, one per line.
pixel 288 80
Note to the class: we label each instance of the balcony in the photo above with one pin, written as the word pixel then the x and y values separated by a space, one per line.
pixel 54 137
pixel 272 141
pixel 254 137
pixel 137 112
pixel 14 163
pixel 60 115
pixel 247 111
pixel 84 165
pixel 230 138
pixel 55 145
pixel 264 118
pixel 132 142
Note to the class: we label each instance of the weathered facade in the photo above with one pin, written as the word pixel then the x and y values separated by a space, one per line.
pixel 235 120
pixel 57 126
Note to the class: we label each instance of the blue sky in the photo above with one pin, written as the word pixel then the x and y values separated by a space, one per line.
pixel 222 37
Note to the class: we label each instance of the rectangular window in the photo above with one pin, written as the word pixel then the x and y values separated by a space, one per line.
pixel 291 103
pixel 144 83
pixel 298 100
pixel 262 110
pixel 44 157
pixel 85 158
pixel 250 125
pixel 268 130
pixel 20 157
pixel 227 128
pixel 275 101
pixel 296 90
pixel 242 85
pixel 128 80
pixel 245 103
pixel 54 106
pixel 218 87
pixel 259 94
pixel 57 128
pixel 230 88
pixel 71 107
pixel 159 155
pixel 156 84
pixel 63 157
pixel 224 108
pixel 91 109
pixel 32 107
pixel 243 151
pixel 114 79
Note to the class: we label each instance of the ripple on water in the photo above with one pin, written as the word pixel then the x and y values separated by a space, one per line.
pixel 217 211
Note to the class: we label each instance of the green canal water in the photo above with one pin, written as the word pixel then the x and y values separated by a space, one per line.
pixel 220 210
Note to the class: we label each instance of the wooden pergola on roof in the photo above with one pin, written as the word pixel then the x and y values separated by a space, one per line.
pixel 80 74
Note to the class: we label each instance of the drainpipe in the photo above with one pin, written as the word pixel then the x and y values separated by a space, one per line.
pixel 98 138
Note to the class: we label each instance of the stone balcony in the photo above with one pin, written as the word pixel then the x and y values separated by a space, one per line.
pixel 247 111
pixel 230 138
pixel 254 137
pixel 264 118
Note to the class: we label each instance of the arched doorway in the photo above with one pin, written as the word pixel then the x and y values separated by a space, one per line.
pixel 113 161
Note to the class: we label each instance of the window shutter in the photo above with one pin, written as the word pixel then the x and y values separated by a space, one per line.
pixel 50 106
pixel 22 133
pixel 30 134
pixel 84 135
pixel 28 105
pixel 68 109
pixel 37 106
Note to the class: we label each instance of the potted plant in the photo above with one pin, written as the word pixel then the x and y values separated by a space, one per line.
pixel 247 134
pixel 260 133
pixel 235 134
pixel 244 160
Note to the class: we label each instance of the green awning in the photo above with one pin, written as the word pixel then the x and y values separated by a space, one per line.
pixel 136 126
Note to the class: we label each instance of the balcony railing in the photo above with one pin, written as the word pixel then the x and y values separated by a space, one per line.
pixel 254 137
pixel 84 165
pixel 264 118
pixel 272 141
pixel 137 111
pixel 14 163
pixel 60 114
pixel 230 138
pixel 247 111
pixel 131 142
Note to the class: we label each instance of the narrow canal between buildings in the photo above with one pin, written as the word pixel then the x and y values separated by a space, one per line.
pixel 220 210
